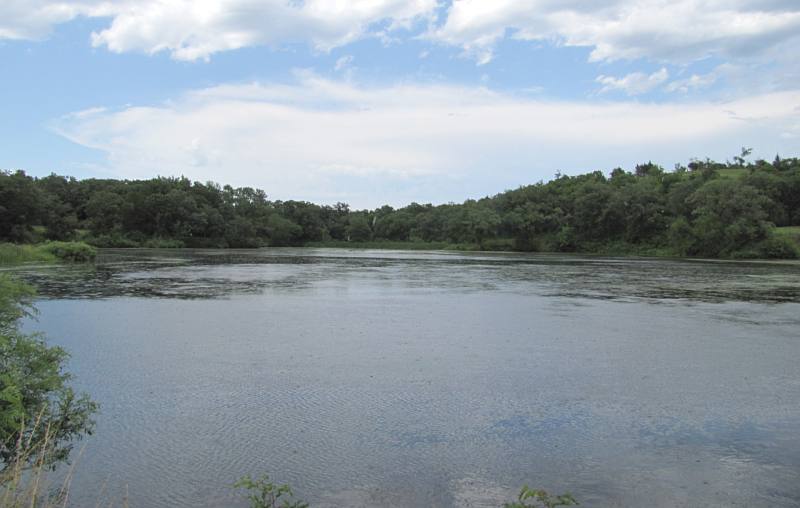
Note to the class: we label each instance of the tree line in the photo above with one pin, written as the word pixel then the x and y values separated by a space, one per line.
pixel 704 208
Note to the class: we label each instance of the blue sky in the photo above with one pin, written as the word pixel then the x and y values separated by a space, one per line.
pixel 388 101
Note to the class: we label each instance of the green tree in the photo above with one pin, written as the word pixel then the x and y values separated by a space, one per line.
pixel 282 231
pixel 104 212
pixel 482 223
pixel 727 217
pixel 241 233
pixel 358 230
pixel 21 205
pixel 37 406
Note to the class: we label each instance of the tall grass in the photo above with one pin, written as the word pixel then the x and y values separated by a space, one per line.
pixel 24 481
pixel 12 254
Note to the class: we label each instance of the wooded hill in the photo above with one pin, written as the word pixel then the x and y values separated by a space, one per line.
pixel 733 209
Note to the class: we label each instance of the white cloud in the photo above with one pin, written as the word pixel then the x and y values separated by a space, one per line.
pixel 663 30
pixel 34 19
pixel 693 82
pixel 635 83
pixel 196 29
pixel 670 31
pixel 318 138
pixel 343 63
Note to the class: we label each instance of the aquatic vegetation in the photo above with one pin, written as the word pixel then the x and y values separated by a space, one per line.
pixel 262 493
pixel 537 498
pixel 11 254
pixel 70 251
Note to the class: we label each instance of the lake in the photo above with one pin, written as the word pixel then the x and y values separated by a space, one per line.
pixel 403 379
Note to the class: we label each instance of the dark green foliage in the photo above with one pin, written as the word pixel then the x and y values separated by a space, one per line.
pixel 537 498
pixel 104 212
pixel 706 209
pixel 21 206
pixel 37 406
pixel 282 232
pixel 114 240
pixel 358 228
pixel 728 216
pixel 777 247
pixel 262 493
pixel 70 251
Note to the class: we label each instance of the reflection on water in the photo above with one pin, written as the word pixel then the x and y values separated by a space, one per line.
pixel 374 378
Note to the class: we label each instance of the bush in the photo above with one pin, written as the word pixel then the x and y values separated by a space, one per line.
pixel 37 406
pixel 262 493
pixel 537 498
pixel 71 251
pixel 111 241
pixel 777 247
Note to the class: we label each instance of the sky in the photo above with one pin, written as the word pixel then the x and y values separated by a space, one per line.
pixel 374 102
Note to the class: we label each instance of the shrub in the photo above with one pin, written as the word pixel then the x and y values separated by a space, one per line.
pixel 777 247
pixel 111 241
pixel 37 406
pixel 71 251
pixel 262 493
pixel 537 498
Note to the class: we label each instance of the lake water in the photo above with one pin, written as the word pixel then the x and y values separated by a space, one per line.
pixel 403 379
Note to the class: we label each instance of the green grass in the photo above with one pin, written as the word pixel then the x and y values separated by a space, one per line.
pixel 14 254
pixel 792 232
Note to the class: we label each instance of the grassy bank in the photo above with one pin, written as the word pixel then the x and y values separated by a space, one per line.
pixel 13 254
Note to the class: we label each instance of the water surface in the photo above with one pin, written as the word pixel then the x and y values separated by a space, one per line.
pixel 400 379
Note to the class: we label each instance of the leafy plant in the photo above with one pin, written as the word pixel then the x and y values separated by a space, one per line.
pixel 262 493
pixel 71 251
pixel 537 498
pixel 37 406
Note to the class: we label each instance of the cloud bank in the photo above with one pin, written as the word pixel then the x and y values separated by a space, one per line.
pixel 325 140
pixel 662 30
pixel 196 29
